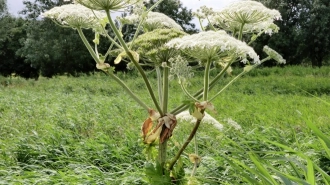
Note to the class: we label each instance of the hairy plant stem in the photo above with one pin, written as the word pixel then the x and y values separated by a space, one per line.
pixel 184 146
pixel 141 71
pixel 113 76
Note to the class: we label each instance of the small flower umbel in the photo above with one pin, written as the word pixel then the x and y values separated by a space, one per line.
pixel 274 55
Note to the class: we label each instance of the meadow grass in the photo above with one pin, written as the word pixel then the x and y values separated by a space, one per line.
pixel 86 130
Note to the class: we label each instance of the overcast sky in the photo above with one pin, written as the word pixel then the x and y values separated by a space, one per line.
pixel 17 5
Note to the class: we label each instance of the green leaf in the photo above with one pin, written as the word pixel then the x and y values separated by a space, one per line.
pixel 318 133
pixel 155 174
pixel 310 172
pixel 262 169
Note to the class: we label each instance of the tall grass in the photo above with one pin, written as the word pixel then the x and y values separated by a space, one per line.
pixel 87 131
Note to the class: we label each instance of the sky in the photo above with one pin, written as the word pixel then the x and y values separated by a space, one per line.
pixel 17 5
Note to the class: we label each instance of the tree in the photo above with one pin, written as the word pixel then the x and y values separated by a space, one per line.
pixel 53 49
pixel 175 10
pixel 315 32
pixel 304 30
pixel 12 30
pixel 287 40
pixel 3 7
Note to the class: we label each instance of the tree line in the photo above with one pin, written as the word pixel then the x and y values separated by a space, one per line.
pixel 31 45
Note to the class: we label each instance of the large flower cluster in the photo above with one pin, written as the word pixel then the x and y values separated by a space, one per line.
pixel 154 20
pixel 253 15
pixel 76 16
pixel 112 5
pixel 211 45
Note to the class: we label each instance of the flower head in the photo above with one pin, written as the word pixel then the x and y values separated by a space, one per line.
pixel 107 4
pixel 274 55
pixel 154 20
pixel 186 116
pixel 76 16
pixel 212 45
pixel 249 12
pixel 253 15
pixel 180 68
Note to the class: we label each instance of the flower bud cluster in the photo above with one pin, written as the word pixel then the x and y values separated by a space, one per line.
pixel 203 12
pixel 274 55
pixel 180 68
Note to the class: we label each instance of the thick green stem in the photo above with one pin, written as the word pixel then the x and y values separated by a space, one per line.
pixel 184 146
pixel 88 46
pixel 162 150
pixel 165 89
pixel 206 79
pixel 139 68
pixel 240 36
pixel 160 85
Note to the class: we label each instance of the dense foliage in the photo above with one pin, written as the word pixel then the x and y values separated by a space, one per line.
pixel 78 130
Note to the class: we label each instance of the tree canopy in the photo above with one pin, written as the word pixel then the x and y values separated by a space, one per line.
pixel 303 32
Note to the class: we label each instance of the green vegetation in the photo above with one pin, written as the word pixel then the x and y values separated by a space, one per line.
pixel 86 130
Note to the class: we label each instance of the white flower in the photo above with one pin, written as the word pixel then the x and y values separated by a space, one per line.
pixel 234 124
pixel 254 15
pixel 153 21
pixel 248 12
pixel 274 55
pixel 76 16
pixel 107 4
pixel 185 116
pixel 210 45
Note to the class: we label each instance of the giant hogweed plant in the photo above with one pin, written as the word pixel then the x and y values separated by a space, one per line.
pixel 165 47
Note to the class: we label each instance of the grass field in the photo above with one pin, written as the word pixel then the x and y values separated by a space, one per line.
pixel 86 130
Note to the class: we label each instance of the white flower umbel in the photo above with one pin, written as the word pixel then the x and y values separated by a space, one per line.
pixel 76 16
pixel 211 45
pixel 185 116
pixel 248 12
pixel 154 20
pixel 274 55
pixel 112 5
pixel 252 16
